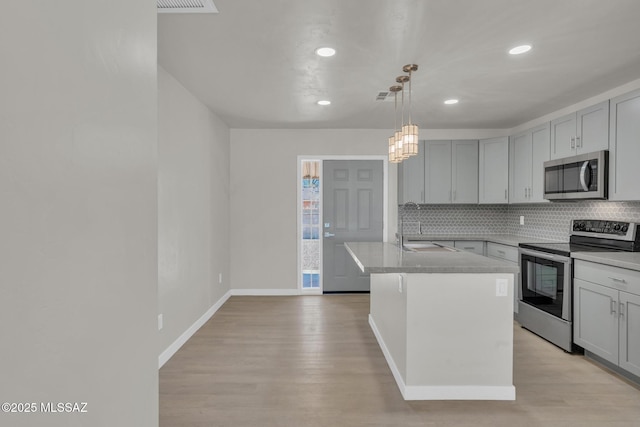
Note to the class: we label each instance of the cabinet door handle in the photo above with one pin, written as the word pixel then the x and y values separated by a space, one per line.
pixel 615 279
pixel 525 192
pixel 505 194
pixel 621 309
pixel 572 143
pixel 501 252
pixel 578 142
pixel 613 306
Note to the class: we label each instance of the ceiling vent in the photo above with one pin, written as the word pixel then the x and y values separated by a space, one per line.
pixel 382 96
pixel 186 6
pixel 386 95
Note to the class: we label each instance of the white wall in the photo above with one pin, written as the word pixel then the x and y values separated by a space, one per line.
pixel 264 197
pixel 193 217
pixel 264 194
pixel 617 91
pixel 78 216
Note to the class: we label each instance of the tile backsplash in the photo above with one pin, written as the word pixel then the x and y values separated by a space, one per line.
pixel 542 220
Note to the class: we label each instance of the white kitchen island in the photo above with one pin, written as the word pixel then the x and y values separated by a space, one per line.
pixel 443 319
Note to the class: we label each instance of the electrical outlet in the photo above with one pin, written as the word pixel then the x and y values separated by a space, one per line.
pixel 521 219
pixel 160 321
pixel 220 278
pixel 502 287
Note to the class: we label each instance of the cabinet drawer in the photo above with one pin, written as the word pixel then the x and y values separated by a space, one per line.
pixel 475 246
pixel 508 253
pixel 613 277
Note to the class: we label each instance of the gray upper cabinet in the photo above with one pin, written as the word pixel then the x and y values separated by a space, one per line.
pixel 582 132
pixel 624 174
pixel 527 153
pixel 437 171
pixel 464 174
pixel 451 171
pixel 493 170
pixel 411 178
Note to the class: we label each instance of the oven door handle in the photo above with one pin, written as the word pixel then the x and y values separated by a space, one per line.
pixel 544 255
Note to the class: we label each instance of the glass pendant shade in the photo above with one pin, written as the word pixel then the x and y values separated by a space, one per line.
pixel 399 145
pixel 393 156
pixel 404 143
pixel 409 140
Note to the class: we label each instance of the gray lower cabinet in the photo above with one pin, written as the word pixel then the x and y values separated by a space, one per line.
pixel 449 243
pixel 509 254
pixel 629 358
pixel 475 246
pixel 595 323
pixel 606 319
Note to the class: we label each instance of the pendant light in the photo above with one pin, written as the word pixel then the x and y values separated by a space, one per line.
pixel 404 142
pixel 394 155
pixel 400 147
pixel 409 131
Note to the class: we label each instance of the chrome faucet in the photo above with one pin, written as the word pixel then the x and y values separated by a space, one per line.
pixel 400 233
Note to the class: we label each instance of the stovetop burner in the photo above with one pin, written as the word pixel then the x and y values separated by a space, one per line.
pixel 594 236
pixel 565 249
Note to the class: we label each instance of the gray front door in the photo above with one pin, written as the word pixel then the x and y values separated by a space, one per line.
pixel 352 212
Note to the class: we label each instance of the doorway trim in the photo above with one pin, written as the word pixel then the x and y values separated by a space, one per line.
pixel 321 159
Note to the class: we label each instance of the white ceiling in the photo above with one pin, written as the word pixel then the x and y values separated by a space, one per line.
pixel 254 65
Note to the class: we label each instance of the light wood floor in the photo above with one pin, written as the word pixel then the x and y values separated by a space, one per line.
pixel 313 361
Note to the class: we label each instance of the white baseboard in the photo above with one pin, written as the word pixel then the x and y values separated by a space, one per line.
pixel 459 393
pixel 175 346
pixel 265 292
pixel 387 355
pixel 441 392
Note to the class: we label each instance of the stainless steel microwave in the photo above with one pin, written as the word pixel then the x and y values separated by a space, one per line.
pixel 584 176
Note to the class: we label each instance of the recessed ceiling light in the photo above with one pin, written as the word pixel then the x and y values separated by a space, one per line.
pixel 451 101
pixel 520 49
pixel 325 51
pixel 324 102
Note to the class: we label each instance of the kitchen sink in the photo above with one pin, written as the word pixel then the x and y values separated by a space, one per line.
pixel 422 246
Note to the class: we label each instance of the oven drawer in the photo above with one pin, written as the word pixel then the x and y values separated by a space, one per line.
pixel 613 277
pixel 507 253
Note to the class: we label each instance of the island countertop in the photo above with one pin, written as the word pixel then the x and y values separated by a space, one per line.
pixel 379 257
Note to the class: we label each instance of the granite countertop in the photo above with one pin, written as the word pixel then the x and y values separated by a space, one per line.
pixel 505 239
pixel 630 260
pixel 379 257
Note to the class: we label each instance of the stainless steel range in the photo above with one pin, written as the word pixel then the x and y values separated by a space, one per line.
pixel 545 305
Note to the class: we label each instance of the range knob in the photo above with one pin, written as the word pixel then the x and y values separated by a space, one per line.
pixel 616 227
pixel 625 228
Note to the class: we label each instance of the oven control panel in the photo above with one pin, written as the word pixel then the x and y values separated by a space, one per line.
pixel 604 228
